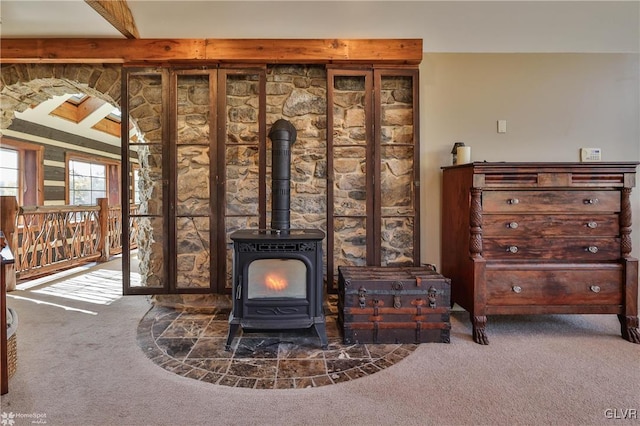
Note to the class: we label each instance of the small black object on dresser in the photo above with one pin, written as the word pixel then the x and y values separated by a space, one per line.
pixel 393 304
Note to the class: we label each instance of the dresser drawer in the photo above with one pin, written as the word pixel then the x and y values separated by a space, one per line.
pixel 550 201
pixel 554 287
pixel 561 225
pixel 583 249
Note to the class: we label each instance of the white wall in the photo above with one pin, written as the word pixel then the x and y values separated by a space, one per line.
pixel 553 103
pixel 445 26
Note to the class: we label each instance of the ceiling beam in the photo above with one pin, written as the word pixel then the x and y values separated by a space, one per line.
pixel 294 51
pixel 118 14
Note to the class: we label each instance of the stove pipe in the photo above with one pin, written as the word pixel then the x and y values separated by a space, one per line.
pixel 282 135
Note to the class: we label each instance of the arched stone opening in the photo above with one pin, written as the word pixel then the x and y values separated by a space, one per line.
pixel 24 86
pixel 27 85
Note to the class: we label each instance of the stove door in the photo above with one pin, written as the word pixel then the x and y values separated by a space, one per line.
pixel 277 278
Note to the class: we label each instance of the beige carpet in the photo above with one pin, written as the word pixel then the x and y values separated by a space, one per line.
pixel 79 364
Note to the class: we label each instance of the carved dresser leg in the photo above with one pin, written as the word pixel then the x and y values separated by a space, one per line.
pixel 629 328
pixel 479 335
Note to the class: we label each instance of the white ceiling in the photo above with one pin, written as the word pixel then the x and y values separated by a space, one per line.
pixel 444 26
pixel 42 116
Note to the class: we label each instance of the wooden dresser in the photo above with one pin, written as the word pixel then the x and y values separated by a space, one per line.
pixel 540 238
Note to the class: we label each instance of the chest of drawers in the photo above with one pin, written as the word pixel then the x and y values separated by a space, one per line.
pixel 540 238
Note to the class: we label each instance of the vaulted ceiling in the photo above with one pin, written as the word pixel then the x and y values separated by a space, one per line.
pixel 83 115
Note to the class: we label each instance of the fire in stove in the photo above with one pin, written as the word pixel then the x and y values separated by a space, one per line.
pixel 277 273
pixel 275 283
pixel 277 278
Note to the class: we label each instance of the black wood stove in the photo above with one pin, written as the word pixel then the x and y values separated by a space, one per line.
pixel 277 273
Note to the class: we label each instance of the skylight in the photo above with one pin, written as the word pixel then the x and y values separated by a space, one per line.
pixel 78 98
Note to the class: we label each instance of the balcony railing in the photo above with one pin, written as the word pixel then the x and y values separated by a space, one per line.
pixel 52 238
pixel 114 225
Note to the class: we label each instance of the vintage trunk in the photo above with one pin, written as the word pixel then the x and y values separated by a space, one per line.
pixel 393 304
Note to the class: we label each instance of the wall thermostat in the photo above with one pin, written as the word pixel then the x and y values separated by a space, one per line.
pixel 590 154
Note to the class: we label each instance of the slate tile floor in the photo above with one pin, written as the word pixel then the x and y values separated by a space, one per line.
pixel 193 345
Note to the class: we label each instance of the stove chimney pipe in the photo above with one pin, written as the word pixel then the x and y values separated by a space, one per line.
pixel 282 135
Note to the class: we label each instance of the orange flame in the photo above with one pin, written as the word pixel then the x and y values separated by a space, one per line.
pixel 274 282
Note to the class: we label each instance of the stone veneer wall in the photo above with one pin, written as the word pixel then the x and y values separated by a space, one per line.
pixel 297 93
pixel 193 182
pixel 145 106
pixel 397 170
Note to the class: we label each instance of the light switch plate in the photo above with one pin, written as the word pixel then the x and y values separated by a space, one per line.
pixel 590 154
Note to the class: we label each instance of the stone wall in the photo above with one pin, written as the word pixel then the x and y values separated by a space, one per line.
pixel 397 170
pixel 297 93
pixel 193 184
pixel 350 168
pixel 145 104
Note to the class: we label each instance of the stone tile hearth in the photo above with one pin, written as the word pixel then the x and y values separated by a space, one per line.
pixel 192 345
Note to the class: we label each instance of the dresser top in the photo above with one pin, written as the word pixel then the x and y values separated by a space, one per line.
pixel 503 166
pixel 546 175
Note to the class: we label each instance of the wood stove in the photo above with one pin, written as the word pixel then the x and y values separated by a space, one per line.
pixel 277 273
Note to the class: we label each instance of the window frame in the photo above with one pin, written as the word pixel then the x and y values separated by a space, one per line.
pixel 29 155
pixel 112 189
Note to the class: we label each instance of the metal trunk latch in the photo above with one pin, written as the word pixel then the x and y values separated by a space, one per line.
pixel 362 297
pixel 396 301
pixel 397 286
pixel 433 293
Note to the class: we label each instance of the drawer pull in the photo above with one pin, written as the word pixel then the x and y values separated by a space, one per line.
pixel 592 249
pixel 591 201
pixel 513 201
pixel 512 249
pixel 592 225
pixel 595 288
pixel 512 225
pixel 516 289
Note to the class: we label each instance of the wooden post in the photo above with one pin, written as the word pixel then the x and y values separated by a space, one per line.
pixel 8 222
pixel 8 219
pixel 4 356
pixel 6 259
pixel 103 245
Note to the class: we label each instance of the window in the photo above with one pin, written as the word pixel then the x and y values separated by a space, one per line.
pixel 21 173
pixel 77 99
pixel 135 182
pixel 9 172
pixel 87 182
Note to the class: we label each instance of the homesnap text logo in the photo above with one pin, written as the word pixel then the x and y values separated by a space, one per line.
pixel 9 419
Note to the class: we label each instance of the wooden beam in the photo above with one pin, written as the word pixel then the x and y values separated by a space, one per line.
pixel 294 51
pixel 400 51
pixel 118 14
pixel 108 126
